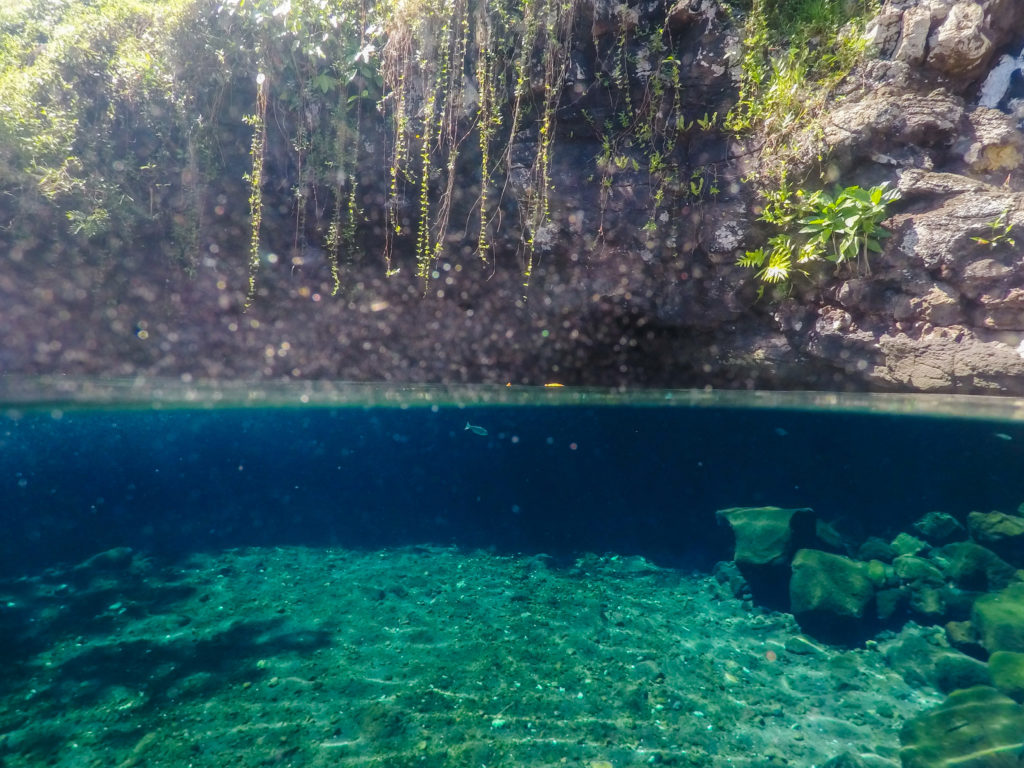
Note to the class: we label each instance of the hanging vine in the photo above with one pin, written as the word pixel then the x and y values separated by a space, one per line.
pixel 447 69
pixel 257 151
pixel 549 33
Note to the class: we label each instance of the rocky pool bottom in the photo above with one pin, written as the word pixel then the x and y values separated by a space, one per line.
pixel 436 657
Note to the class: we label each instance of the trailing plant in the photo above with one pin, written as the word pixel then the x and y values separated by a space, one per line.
pixel 793 54
pixel 998 232
pixel 842 228
pixel 641 72
pixel 257 150
pixel 119 115
pixel 517 54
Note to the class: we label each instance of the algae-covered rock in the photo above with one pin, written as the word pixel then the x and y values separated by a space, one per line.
pixel 963 636
pixel 974 728
pixel 1002 533
pixel 912 569
pixel 905 544
pixel 999 619
pixel 767 535
pixel 875 548
pixel 986 527
pixel 952 671
pixel 1007 671
pixel 929 602
pixel 972 566
pixel 882 575
pixel 891 601
pixel 939 528
pixel 846 760
pixel 823 583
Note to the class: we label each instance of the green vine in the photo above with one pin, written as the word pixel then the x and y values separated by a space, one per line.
pixel 257 150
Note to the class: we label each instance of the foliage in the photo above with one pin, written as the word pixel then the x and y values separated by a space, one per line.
pixel 318 58
pixel 75 76
pixel 120 116
pixel 842 228
pixel 794 53
pixel 998 232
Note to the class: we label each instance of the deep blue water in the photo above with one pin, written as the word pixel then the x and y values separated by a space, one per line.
pixel 553 479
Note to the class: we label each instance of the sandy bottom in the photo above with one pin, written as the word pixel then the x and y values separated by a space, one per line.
pixel 425 657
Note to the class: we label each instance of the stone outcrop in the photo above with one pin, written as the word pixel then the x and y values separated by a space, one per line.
pixel 767 535
pixel 943 307
pixel 1007 671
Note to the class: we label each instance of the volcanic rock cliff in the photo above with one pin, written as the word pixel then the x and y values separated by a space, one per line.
pixel 629 284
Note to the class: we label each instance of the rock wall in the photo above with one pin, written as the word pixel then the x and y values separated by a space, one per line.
pixel 941 311
pixel 612 301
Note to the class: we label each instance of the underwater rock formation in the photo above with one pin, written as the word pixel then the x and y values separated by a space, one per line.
pixel 833 585
pixel 1007 670
pixel 974 728
pixel 998 618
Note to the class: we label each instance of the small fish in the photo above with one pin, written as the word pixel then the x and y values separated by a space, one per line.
pixel 781 432
pixel 1002 436
pixel 476 430
pixel 554 384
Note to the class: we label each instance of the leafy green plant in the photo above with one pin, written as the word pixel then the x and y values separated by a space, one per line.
pixel 793 53
pixel 775 260
pixel 844 227
pixel 707 122
pixel 998 232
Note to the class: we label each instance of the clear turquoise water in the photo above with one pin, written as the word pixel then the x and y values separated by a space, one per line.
pixel 324 575
pixel 171 468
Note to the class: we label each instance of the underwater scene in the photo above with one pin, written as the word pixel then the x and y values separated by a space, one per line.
pixel 508 577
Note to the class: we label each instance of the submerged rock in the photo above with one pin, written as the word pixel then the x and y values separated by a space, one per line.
pixel 1002 533
pixel 974 728
pixel 998 619
pixel 827 585
pixel 939 528
pixel 767 535
pixel 971 566
pixel 1007 670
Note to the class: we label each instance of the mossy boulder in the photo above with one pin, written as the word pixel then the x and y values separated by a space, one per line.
pixel 939 528
pixel 998 619
pixel 964 637
pixel 987 527
pixel 830 585
pixel 1000 532
pixel 953 670
pixel 1007 671
pixel 875 548
pixel 767 535
pixel 974 728
pixel 905 544
pixel 916 570
pixel 891 601
pixel 971 566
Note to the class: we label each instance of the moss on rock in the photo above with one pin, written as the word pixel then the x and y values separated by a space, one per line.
pixel 974 728
pixel 999 619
